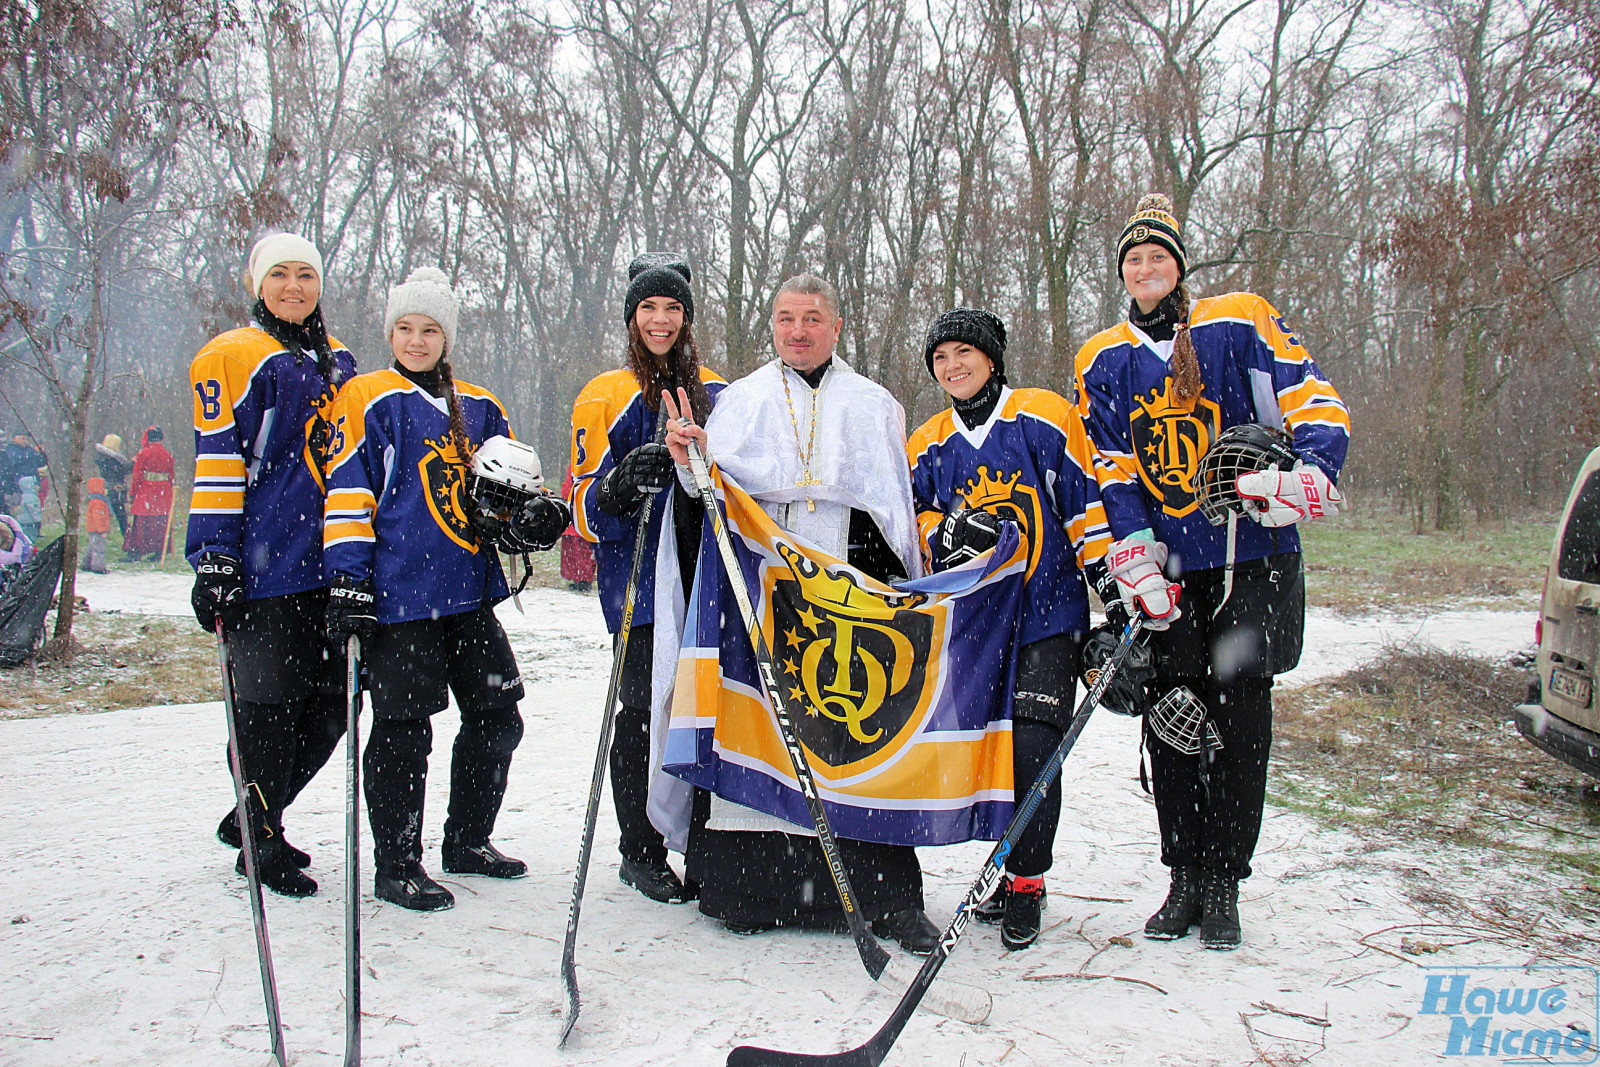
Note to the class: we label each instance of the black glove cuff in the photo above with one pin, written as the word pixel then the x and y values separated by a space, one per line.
pixel 346 594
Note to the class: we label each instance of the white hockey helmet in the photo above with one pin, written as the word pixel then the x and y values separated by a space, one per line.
pixel 506 473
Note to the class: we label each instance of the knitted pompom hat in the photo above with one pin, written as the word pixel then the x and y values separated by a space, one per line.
pixel 1153 222
pixel 280 248
pixel 981 329
pixel 426 291
pixel 658 274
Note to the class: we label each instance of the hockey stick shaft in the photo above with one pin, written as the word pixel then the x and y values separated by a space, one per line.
pixel 873 955
pixel 352 854
pixel 247 848
pixel 608 720
pixel 873 1052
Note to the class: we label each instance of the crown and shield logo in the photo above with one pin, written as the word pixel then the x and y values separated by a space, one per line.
pixel 1006 496
pixel 854 662
pixel 444 483
pixel 1168 440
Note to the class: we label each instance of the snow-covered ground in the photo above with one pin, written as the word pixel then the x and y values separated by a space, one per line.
pixel 128 940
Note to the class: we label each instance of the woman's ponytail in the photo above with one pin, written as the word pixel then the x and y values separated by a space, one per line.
pixel 1185 361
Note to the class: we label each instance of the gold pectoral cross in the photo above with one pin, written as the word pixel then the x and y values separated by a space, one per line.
pixel 803 481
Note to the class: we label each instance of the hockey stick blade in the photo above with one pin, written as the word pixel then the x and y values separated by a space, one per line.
pixel 948 997
pixel 875 1049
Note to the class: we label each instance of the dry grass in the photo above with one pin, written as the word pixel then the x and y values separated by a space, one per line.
pixel 1420 743
pixel 115 661
pixel 1380 562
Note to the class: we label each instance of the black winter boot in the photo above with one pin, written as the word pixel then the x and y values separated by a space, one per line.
pixel 410 887
pixel 1220 926
pixel 228 834
pixel 993 909
pixel 1020 927
pixel 911 928
pixel 1182 908
pixel 655 880
pixel 482 859
pixel 277 870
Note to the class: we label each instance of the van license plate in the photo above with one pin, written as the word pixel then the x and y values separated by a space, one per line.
pixel 1570 684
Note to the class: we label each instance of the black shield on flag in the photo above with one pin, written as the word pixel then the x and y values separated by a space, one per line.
pixel 853 662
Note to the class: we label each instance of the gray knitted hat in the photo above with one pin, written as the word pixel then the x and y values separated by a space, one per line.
pixel 425 292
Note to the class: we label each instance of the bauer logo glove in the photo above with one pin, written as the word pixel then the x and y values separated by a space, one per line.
pixel 1135 562
pixel 1277 498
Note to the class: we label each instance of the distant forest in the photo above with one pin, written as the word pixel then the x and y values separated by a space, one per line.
pixel 1413 183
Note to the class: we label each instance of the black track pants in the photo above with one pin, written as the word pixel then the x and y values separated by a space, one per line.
pixel 1216 828
pixel 639 840
pixel 1032 743
pixel 396 769
pixel 282 747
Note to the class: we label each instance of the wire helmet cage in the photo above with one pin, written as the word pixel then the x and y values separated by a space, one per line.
pixel 1243 449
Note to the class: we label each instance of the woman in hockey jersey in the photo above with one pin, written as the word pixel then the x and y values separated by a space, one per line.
pixel 617 461
pixel 1155 392
pixel 416 576
pixel 255 537
pixel 1019 454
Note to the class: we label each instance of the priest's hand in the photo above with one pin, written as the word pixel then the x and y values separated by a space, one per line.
pixel 681 428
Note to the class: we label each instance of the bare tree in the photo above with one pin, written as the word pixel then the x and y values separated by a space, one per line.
pixel 95 102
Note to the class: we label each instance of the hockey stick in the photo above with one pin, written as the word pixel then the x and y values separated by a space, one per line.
pixel 247 848
pixel 872 1053
pixel 957 1000
pixel 352 855
pixel 608 721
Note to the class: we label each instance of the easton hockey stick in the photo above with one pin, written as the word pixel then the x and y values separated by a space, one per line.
pixel 608 720
pixel 352 855
pixel 957 1000
pixel 872 1053
pixel 247 848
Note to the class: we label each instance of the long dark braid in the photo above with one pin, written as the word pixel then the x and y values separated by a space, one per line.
pixel 1185 361
pixel 684 371
pixel 458 425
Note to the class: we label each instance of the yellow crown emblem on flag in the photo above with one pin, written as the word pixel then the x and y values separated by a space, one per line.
pixel 841 594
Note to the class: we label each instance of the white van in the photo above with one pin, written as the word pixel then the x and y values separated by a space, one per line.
pixel 1560 716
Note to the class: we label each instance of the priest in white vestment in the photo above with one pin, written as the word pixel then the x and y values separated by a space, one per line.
pixel 822 449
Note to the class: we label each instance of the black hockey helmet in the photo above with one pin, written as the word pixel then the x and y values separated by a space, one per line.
pixel 1243 449
pixel 1126 694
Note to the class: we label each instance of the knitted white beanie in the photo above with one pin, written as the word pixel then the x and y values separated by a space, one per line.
pixel 280 248
pixel 425 292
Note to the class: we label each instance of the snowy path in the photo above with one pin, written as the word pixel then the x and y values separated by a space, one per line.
pixel 128 940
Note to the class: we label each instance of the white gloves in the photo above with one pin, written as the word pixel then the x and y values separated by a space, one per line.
pixel 1135 562
pixel 1277 498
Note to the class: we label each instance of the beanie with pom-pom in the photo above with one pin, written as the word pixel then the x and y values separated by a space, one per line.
pixel 426 291
pixel 1153 222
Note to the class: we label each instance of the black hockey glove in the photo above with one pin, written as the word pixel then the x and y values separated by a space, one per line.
pixel 352 610
pixel 538 526
pixel 645 470
pixel 218 590
pixel 963 535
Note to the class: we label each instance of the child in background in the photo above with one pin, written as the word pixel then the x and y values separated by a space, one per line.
pixel 30 512
pixel 15 550
pixel 97 521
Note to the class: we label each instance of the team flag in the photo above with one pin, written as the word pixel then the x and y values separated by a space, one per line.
pixel 901 694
